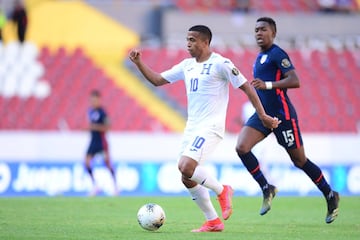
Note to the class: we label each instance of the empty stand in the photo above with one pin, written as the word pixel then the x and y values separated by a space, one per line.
pixel 61 97
pixel 328 100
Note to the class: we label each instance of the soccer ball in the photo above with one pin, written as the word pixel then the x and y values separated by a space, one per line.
pixel 151 216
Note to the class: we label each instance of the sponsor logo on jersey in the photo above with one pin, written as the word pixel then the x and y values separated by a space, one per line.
pixel 193 150
pixel 263 58
pixel 285 63
pixel 235 71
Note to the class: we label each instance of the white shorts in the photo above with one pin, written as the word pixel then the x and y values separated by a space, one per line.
pixel 199 144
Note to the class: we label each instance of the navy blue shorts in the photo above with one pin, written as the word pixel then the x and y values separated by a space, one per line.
pixel 287 134
pixel 97 147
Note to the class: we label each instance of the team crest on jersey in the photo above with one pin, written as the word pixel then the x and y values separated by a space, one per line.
pixel 285 63
pixel 235 71
pixel 94 116
pixel 263 58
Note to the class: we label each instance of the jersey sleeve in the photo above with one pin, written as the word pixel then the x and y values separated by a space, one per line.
pixel 233 74
pixel 283 61
pixel 174 74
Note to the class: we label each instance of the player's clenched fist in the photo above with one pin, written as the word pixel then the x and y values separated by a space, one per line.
pixel 270 122
pixel 134 55
pixel 258 84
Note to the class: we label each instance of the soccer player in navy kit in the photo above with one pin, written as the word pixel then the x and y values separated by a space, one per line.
pixel 98 125
pixel 273 75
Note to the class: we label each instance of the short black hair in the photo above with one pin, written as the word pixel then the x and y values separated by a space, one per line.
pixel 95 93
pixel 203 30
pixel 269 20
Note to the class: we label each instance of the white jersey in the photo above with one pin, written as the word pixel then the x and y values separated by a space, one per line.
pixel 207 89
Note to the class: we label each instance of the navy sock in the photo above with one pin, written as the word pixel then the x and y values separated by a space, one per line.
pixel 89 170
pixel 113 174
pixel 252 165
pixel 317 177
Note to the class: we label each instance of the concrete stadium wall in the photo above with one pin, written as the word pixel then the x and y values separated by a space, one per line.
pixel 234 24
pixel 159 147
pixel 142 17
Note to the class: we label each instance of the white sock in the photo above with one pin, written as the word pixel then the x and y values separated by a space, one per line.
pixel 202 198
pixel 202 177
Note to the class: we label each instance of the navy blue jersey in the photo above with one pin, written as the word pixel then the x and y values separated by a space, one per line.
pixel 271 65
pixel 98 141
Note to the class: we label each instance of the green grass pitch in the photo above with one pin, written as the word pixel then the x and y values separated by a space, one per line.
pixel 115 218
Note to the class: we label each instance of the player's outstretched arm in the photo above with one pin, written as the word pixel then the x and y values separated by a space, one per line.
pixel 152 76
pixel 268 121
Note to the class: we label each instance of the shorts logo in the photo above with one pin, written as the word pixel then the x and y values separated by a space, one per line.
pixel 286 63
pixel 235 71
pixel 263 58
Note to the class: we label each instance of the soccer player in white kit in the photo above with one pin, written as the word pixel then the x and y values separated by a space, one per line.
pixel 207 76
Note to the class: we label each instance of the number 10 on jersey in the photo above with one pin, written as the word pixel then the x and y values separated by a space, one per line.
pixel 194 83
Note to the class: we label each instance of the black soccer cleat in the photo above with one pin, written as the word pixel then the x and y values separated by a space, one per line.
pixel 268 194
pixel 333 206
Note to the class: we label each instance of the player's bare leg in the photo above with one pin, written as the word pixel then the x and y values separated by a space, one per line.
pixel 95 190
pixel 112 172
pixel 192 170
pixel 314 172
